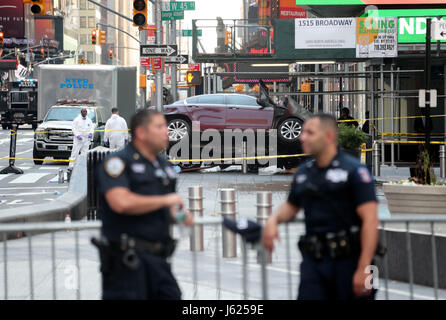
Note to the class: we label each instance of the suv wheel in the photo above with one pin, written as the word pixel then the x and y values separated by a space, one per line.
pixel 178 128
pixel 290 130
pixel 36 155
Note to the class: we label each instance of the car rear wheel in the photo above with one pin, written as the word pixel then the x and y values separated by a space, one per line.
pixel 177 128
pixel 290 130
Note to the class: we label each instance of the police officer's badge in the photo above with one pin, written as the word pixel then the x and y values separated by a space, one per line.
pixel 114 166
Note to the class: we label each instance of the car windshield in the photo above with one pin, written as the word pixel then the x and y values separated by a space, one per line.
pixel 68 114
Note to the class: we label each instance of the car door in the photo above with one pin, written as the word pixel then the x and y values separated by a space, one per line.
pixel 209 110
pixel 243 112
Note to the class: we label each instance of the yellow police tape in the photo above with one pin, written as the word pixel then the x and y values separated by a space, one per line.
pixel 33 159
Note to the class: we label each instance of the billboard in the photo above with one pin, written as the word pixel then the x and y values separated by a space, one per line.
pixel 366 2
pixel 12 19
pixel 325 33
pixel 411 22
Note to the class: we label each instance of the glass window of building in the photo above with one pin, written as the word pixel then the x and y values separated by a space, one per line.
pixel 83 39
pixel 90 56
pixel 83 4
pixel 83 22
pixel 90 6
pixel 91 22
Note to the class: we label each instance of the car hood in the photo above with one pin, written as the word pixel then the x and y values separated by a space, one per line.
pixel 297 110
pixel 57 125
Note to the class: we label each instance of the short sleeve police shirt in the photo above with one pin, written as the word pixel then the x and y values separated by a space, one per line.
pixel 330 196
pixel 129 169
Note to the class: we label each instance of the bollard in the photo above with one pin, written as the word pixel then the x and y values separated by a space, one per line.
pixel 264 211
pixel 61 176
pixel 196 210
pixel 443 161
pixel 227 200
pixel 244 162
pixel 376 165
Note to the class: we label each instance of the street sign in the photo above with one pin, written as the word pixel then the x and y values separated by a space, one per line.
pixel 195 66
pixel 151 34
pixel 157 63
pixel 193 78
pixel 439 30
pixel 430 98
pixel 181 59
pixel 172 15
pixel 188 33
pixel 178 5
pixel 158 50
pixel 145 61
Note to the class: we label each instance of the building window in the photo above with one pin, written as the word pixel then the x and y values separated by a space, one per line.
pixel 91 22
pixel 83 22
pixel 83 4
pixel 90 56
pixel 90 6
pixel 83 39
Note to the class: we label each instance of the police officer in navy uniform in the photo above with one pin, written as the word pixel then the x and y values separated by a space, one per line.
pixel 338 197
pixel 138 204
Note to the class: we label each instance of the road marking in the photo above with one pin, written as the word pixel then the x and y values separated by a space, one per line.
pixel 18 202
pixel 40 188
pixel 29 178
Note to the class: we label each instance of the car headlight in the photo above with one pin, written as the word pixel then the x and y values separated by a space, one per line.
pixel 40 134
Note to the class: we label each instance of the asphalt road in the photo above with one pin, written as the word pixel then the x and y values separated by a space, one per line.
pixel 37 184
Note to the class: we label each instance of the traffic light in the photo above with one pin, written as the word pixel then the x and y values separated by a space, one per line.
pixel 110 54
pixel 102 37
pixel 193 78
pixel 228 37
pixel 38 7
pixel 42 52
pixel 140 13
pixel 94 36
pixel 2 38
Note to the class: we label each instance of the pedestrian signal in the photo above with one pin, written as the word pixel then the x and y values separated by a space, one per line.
pixel 193 78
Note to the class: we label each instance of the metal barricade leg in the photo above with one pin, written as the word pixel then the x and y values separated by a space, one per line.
pixel 196 209
pixel 227 200
pixel 443 161
pixel 245 269
pixel 30 261
pixel 434 261
pixel 409 259
pixel 376 164
pixel 5 266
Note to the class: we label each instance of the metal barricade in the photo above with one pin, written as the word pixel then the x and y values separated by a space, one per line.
pixel 443 161
pixel 264 211
pixel 35 266
pixel 196 209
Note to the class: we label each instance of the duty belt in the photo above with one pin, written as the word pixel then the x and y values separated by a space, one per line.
pixel 335 245
pixel 163 249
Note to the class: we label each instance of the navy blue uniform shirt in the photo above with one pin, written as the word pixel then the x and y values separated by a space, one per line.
pixel 129 169
pixel 344 184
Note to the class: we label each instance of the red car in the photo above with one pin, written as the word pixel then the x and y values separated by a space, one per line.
pixel 238 111
pixel 234 111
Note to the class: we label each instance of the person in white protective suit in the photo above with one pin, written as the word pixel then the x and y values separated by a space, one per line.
pixel 82 134
pixel 116 132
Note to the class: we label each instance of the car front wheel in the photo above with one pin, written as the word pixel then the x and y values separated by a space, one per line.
pixel 290 130
pixel 178 129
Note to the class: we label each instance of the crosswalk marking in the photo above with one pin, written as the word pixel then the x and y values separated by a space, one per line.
pixel 29 178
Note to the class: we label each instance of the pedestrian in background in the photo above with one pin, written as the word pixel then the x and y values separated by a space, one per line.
pixel 338 197
pixel 116 134
pixel 83 130
pixel 345 115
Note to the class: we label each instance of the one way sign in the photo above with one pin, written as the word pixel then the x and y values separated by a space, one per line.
pixel 161 50
pixel 439 30
pixel 181 59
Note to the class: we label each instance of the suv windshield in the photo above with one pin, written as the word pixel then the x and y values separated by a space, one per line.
pixel 68 114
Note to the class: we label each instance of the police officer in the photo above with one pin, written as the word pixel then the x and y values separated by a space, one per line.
pixel 337 195
pixel 138 204
pixel 116 133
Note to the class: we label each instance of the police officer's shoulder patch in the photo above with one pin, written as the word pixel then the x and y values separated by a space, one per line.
pixel 114 166
pixel 364 175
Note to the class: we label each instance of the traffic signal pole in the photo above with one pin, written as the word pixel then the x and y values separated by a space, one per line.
pixel 159 73
pixel 173 67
